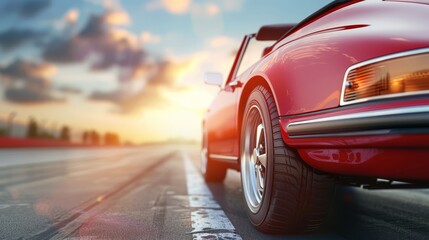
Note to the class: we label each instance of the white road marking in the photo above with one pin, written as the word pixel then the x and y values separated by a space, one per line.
pixel 4 206
pixel 209 221
pixel 202 202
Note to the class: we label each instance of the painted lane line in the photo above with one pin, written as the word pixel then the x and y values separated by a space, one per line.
pixel 203 202
pixel 4 206
pixel 208 219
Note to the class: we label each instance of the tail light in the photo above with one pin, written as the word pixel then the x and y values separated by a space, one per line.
pixel 391 76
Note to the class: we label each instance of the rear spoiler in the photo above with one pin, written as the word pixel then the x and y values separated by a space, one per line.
pixel 273 32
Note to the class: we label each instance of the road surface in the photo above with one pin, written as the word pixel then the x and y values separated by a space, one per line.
pixel 156 192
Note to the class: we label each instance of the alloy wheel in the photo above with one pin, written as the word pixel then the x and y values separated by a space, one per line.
pixel 254 159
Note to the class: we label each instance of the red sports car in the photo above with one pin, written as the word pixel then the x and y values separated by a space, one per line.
pixel 342 96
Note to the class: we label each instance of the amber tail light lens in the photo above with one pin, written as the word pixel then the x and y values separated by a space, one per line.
pixel 398 76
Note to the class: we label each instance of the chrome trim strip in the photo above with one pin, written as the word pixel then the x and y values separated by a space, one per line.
pixel 375 60
pixel 223 157
pixel 375 113
pixel 357 119
pixel 345 134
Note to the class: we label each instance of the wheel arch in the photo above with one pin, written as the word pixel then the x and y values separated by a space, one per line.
pixel 252 83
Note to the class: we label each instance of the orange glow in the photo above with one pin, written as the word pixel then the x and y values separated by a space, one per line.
pixel 117 17
pixel 148 37
pixel 176 6
pixel 395 76
pixel 100 198
pixel 118 35
pixel 212 9
pixel 72 15
pixel 44 70
pixel 397 85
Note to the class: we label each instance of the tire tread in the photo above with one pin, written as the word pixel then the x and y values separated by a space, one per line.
pixel 301 196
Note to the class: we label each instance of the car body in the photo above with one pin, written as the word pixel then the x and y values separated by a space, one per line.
pixel 351 89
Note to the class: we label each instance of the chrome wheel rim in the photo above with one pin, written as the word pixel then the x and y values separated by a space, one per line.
pixel 254 159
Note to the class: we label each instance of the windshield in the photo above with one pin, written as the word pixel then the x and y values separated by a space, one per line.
pixel 252 54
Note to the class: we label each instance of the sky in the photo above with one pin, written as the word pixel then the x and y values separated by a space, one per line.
pixel 131 67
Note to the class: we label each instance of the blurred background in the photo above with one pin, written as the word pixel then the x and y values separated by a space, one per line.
pixel 86 73
pixel 121 72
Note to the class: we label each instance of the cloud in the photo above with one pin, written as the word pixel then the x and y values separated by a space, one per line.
pixel 211 9
pixel 14 38
pixel 23 70
pixel 176 6
pixel 131 103
pixel 107 4
pixel 68 21
pixel 104 45
pixel 25 8
pixel 130 98
pixel 172 6
pixel 229 5
pixel 30 95
pixel 147 37
pixel 71 16
pixel 117 17
pixel 184 6
pixel 114 12
pixel 166 73
pixel 28 82
pixel 64 51
pixel 69 89
pixel 206 21
pixel 221 41
pixel 94 28
pixel 108 46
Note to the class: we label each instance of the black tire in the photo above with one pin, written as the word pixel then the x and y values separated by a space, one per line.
pixel 211 170
pixel 295 197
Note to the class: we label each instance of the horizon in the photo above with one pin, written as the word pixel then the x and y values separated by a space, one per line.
pixel 129 67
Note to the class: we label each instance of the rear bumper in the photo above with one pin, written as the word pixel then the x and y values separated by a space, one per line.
pixel 413 119
pixel 389 140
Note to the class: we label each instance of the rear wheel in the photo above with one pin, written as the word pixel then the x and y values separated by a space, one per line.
pixel 211 170
pixel 282 193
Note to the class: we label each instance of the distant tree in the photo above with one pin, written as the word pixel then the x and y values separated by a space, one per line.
pixel 111 139
pixel 32 130
pixel 115 139
pixel 46 135
pixel 85 137
pixel 95 138
pixel 65 133
pixel 2 131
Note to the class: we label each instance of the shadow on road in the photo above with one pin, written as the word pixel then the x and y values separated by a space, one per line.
pixel 355 213
pixel 382 214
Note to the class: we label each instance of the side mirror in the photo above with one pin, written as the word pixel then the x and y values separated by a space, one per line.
pixel 212 78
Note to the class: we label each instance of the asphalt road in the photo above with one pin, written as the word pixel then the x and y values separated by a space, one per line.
pixel 156 192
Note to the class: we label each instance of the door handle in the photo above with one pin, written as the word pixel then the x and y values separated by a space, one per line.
pixel 235 84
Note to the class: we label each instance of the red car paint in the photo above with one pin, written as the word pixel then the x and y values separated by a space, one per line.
pixel 305 72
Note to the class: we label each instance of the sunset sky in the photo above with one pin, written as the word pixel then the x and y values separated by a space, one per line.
pixel 133 67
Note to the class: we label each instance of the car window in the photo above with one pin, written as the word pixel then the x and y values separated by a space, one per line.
pixel 252 54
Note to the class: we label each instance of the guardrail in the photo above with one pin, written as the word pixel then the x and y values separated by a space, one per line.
pixel 10 142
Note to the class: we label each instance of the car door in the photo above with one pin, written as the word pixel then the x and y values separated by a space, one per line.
pixel 221 122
